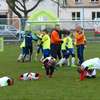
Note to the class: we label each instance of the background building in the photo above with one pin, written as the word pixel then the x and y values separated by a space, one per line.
pixel 3 11
pixel 81 10
pixel 66 10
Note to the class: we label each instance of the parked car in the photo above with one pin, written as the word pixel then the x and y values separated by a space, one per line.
pixel 8 30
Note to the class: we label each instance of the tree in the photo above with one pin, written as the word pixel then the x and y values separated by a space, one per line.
pixel 22 9
pixel 61 3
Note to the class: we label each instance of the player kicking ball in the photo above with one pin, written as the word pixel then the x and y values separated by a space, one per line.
pixel 88 68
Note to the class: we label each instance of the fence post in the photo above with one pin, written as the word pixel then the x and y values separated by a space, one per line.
pixel 1 44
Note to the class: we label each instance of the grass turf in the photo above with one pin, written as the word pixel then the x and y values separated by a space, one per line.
pixel 65 85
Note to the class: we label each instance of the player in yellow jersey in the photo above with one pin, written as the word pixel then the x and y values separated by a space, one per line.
pixel 70 49
pixel 67 50
pixel 46 43
pixel 63 50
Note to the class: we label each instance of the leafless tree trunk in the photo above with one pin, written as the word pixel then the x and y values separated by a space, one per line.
pixel 19 7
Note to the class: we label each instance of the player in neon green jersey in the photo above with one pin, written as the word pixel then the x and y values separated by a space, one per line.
pixel 67 50
pixel 46 43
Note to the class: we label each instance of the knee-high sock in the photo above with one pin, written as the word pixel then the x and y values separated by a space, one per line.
pixel 68 62
pixel 73 60
pixel 20 57
pixel 62 61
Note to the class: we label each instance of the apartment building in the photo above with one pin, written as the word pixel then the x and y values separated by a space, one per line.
pixel 3 10
pixel 69 10
pixel 80 10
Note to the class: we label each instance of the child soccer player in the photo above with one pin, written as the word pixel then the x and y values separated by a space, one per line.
pixel 49 64
pixel 63 49
pixel 29 76
pixel 45 43
pixel 27 46
pixel 68 49
pixel 6 81
pixel 88 68
pixel 39 45
pixel 24 55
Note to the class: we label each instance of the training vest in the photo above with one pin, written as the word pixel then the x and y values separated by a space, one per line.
pixel 80 38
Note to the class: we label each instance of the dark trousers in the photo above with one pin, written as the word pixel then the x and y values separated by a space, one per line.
pixel 49 70
pixel 69 52
pixel 80 53
pixel 39 48
pixel 63 53
pixel 28 50
pixel 56 51
pixel 25 52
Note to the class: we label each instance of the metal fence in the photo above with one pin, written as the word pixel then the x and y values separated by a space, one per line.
pixel 88 26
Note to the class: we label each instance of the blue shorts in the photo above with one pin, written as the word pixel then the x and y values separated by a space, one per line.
pixel 69 52
pixel 46 53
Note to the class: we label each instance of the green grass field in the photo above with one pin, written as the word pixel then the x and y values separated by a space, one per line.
pixel 65 85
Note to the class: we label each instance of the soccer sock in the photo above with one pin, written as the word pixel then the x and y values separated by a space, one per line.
pixel 73 60
pixel 20 57
pixel 68 62
pixel 41 58
pixel 62 61
pixel 82 76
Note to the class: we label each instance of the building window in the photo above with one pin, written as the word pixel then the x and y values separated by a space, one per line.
pixel 93 1
pixel 75 15
pixel 95 15
pixel 77 1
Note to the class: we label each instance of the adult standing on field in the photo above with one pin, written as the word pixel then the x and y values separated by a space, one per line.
pixel 56 42
pixel 80 41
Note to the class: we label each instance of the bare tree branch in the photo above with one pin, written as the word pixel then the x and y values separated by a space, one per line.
pixel 35 5
pixel 24 1
pixel 13 9
pixel 19 8
pixel 20 3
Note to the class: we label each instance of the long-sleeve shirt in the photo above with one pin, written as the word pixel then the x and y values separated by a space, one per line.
pixel 46 42
pixel 67 42
pixel 93 63
pixel 55 38
pixel 80 38
pixel 63 45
